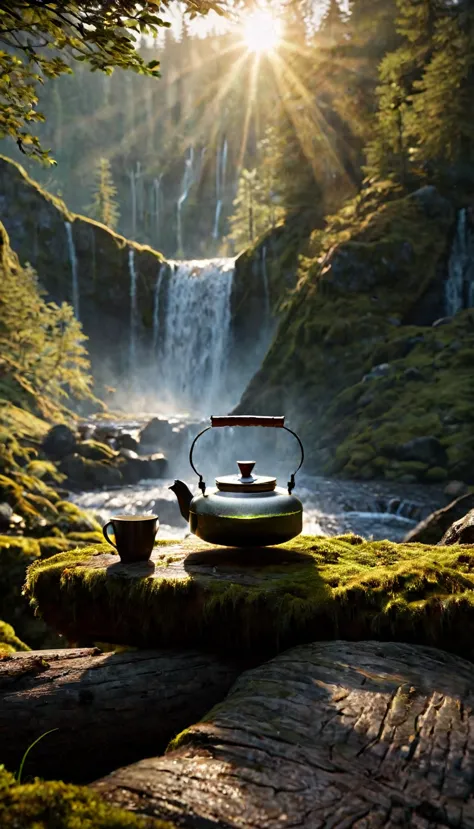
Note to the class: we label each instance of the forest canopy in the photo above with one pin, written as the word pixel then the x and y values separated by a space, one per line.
pixel 40 40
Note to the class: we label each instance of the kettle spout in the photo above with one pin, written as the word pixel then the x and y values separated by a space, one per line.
pixel 184 496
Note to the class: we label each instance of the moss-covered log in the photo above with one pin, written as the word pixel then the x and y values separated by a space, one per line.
pixel 108 709
pixel 56 805
pixel 326 735
pixel 261 601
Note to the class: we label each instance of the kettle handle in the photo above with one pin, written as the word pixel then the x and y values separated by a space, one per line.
pixel 246 420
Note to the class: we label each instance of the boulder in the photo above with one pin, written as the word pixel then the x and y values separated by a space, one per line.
pixel 157 434
pixel 126 441
pixel 59 442
pixel 95 451
pixel 138 468
pixel 432 529
pixel 434 205
pixel 6 515
pixel 382 370
pixel 129 454
pixel 454 489
pixel 85 474
pixel 462 531
pixel 330 734
pixel 426 449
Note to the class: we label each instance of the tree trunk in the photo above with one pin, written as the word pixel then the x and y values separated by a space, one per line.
pixel 108 708
pixel 334 734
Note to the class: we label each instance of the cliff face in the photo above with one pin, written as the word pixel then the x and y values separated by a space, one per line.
pixel 111 281
pixel 361 363
pixel 65 248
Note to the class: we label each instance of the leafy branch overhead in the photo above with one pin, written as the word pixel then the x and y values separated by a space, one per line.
pixel 40 40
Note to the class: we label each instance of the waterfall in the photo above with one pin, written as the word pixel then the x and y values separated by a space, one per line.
pixel 156 306
pixel 459 286
pixel 135 176
pixel 215 232
pixel 157 204
pixel 266 287
pixel 187 181
pixel 74 271
pixel 133 309
pixel 221 165
pixel 194 350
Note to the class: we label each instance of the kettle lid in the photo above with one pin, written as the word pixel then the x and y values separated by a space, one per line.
pixel 246 482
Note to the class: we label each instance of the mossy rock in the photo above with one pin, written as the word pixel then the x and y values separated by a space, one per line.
pixel 56 805
pixel 261 601
pixel 52 545
pixel 72 519
pixel 16 554
pixel 9 641
pixel 93 450
pixel 361 301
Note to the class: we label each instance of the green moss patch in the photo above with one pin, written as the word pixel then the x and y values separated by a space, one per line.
pixel 56 805
pixel 262 601
pixel 369 277
pixel 9 641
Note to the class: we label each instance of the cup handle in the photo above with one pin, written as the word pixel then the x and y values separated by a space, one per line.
pixel 105 533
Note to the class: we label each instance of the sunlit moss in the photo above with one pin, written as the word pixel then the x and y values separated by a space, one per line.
pixel 9 641
pixel 322 588
pixel 48 804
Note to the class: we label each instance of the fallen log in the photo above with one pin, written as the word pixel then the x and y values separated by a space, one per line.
pixel 259 602
pixel 330 734
pixel 108 708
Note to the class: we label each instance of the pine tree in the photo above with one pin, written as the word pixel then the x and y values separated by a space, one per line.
pixel 332 24
pixel 443 96
pixel 43 342
pixel 104 206
pixel 424 123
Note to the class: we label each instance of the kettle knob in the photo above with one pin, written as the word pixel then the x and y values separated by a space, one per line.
pixel 246 468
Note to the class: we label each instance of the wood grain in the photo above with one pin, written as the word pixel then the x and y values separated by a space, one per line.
pixel 109 708
pixel 359 735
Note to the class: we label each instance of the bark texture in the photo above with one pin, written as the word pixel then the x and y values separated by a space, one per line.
pixel 108 708
pixel 461 532
pixel 326 735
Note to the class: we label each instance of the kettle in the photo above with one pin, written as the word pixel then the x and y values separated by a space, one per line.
pixel 243 510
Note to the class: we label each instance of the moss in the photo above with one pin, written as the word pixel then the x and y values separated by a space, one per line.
pixel 369 275
pixel 56 805
pixel 93 450
pixel 52 545
pixel 179 741
pixel 93 537
pixel 314 588
pixel 45 470
pixel 73 519
pixel 9 641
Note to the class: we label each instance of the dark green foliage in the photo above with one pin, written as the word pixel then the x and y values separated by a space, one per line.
pixel 424 126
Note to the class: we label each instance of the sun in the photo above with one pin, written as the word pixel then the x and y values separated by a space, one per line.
pixel 261 31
